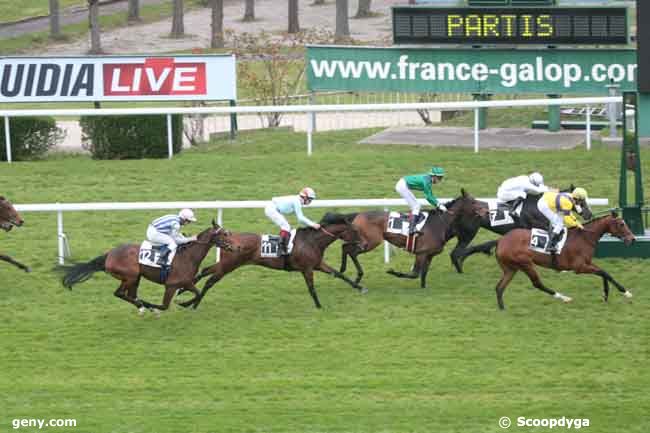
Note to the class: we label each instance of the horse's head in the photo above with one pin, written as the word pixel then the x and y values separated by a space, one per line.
pixel 216 235
pixel 466 206
pixel 617 227
pixel 9 216
pixel 341 227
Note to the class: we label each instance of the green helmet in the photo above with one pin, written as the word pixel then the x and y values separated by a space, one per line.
pixel 437 171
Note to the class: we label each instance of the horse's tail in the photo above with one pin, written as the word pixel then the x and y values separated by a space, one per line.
pixel 83 271
pixel 485 248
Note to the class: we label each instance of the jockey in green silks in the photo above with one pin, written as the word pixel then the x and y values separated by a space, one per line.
pixel 420 182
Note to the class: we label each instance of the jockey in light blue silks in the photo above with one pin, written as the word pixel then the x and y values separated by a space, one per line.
pixel 166 231
pixel 287 205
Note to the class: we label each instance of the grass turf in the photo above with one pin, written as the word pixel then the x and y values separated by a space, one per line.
pixel 258 357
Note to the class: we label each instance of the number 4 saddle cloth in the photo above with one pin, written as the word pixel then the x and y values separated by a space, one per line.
pixel 539 240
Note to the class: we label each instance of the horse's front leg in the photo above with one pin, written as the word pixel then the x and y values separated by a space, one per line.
pixel 15 263
pixel 593 269
pixel 309 279
pixel 192 288
pixel 324 267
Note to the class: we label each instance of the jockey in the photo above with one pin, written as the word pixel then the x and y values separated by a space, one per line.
pixel 287 205
pixel 560 208
pixel 420 182
pixel 166 231
pixel 514 190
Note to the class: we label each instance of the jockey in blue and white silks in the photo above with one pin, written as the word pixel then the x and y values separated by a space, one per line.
pixel 166 230
pixel 287 205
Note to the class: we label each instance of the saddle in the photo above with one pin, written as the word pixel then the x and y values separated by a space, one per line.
pixel 270 245
pixel 398 223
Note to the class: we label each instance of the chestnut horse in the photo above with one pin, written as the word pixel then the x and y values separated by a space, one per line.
pixel 9 217
pixel 438 229
pixel 122 263
pixel 306 256
pixel 513 254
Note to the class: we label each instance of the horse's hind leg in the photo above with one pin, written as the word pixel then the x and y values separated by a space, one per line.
pixel 508 274
pixel 415 272
pixel 128 292
pixel 537 282
pixel 15 263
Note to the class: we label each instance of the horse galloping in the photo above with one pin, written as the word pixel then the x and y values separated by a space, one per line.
pixel 9 217
pixel 437 230
pixel 306 256
pixel 122 263
pixel 513 254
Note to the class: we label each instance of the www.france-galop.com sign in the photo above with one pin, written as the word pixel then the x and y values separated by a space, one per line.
pixel 557 71
pixel 37 79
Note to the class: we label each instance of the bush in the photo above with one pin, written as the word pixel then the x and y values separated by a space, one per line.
pixel 31 137
pixel 130 137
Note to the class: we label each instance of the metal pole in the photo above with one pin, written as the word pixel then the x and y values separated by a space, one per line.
pixel 7 139
pixel 588 127
pixel 386 248
pixel 170 142
pixel 220 222
pixel 310 130
pixel 476 127
pixel 312 101
pixel 60 236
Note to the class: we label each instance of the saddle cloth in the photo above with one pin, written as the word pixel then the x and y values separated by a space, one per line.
pixel 150 255
pixel 500 214
pixel 270 245
pixel 398 223
pixel 539 240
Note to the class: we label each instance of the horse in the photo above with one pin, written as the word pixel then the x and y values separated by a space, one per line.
pixel 122 263
pixel 10 218
pixel 306 256
pixel 530 217
pixel 437 230
pixel 513 254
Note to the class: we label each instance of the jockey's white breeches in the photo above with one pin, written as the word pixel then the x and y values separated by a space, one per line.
pixel 155 237
pixel 557 221
pixel 272 212
pixel 506 195
pixel 403 190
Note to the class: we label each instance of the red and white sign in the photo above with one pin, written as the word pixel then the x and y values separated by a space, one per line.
pixel 25 79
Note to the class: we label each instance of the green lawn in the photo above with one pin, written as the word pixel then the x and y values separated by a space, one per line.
pixel 32 8
pixel 258 357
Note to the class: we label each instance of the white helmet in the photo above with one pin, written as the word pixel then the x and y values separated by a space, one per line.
pixel 536 179
pixel 187 215
pixel 308 193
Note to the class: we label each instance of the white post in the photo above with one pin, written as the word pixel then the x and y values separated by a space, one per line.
pixel 170 143
pixel 386 248
pixel 60 236
pixel 220 222
pixel 588 127
pixel 310 130
pixel 476 117
pixel 7 139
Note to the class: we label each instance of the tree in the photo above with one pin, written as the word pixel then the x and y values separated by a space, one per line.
pixel 294 26
pixel 216 35
pixel 93 20
pixel 363 10
pixel 249 12
pixel 342 25
pixel 178 28
pixel 55 27
pixel 134 11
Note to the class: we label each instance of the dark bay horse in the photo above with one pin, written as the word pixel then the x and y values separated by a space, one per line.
pixel 9 217
pixel 122 263
pixel 306 256
pixel 531 217
pixel 438 229
pixel 513 254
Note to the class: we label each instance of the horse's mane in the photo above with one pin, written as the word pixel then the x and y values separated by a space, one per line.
pixel 605 214
pixel 337 218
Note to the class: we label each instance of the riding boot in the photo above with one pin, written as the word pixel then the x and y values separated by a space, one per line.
pixel 413 222
pixel 283 247
pixel 513 204
pixel 552 243
pixel 164 267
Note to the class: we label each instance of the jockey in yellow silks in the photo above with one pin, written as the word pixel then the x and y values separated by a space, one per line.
pixel 561 209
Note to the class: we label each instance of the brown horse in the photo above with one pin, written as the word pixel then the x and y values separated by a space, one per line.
pixel 122 263
pixel 513 254
pixel 438 229
pixel 9 217
pixel 306 256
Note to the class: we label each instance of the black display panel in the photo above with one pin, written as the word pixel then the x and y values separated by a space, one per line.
pixel 534 25
pixel 643 46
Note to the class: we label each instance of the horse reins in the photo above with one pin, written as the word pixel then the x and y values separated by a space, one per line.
pixel 324 230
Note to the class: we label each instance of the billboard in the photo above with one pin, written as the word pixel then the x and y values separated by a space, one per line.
pixel 118 78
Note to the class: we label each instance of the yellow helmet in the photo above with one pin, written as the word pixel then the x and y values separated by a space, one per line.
pixel 579 194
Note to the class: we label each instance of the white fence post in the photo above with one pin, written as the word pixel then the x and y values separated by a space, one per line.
pixel 588 128
pixel 220 222
pixel 60 236
pixel 310 130
pixel 386 247
pixel 7 139
pixel 170 142
pixel 476 124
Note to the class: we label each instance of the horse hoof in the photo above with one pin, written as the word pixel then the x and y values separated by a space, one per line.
pixel 28 269
pixel 156 312
pixel 141 311
pixel 363 290
pixel 627 294
pixel 566 299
